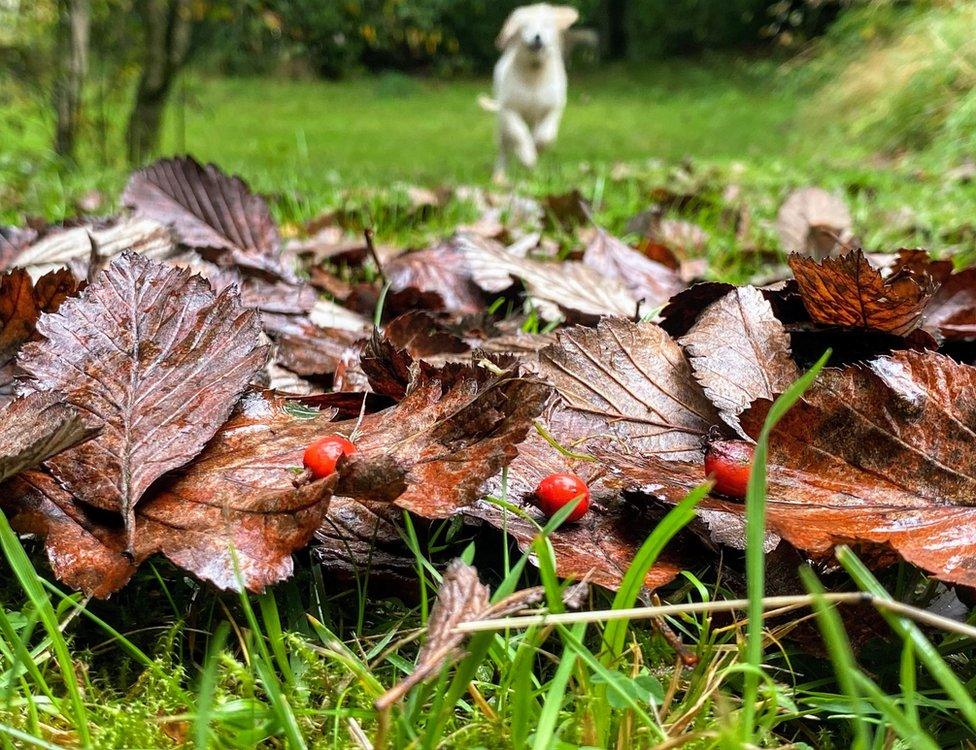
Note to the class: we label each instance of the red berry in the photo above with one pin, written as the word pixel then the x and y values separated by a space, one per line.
pixel 728 463
pixel 557 490
pixel 322 456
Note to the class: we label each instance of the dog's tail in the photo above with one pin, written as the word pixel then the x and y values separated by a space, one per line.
pixel 487 103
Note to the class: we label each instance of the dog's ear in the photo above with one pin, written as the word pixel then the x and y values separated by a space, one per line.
pixel 511 26
pixel 565 16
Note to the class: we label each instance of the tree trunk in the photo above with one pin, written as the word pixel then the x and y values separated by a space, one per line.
pixel 167 43
pixel 74 22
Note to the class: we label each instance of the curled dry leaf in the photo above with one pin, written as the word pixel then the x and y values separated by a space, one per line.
pixel 631 384
pixel 155 360
pixel 33 428
pixel 814 222
pixel 649 281
pixel 21 304
pixel 849 291
pixel 59 247
pixel 461 597
pixel 552 287
pixel 740 352
pixel 207 209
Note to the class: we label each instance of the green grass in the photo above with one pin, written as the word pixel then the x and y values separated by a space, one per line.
pixel 171 663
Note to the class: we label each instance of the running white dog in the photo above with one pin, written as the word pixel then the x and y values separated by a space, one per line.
pixel 529 82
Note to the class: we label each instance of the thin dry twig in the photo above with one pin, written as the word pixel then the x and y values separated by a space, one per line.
pixel 769 602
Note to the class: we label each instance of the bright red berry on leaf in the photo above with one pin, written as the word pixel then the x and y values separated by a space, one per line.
pixel 557 490
pixel 729 463
pixel 322 456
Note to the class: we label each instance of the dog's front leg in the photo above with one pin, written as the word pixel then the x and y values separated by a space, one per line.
pixel 545 132
pixel 517 137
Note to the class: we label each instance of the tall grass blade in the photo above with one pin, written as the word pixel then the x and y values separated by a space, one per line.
pixel 755 555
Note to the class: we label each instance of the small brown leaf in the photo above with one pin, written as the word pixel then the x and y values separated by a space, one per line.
pixel 740 352
pixel 440 270
pixel 207 209
pixel 461 597
pixel 647 280
pixel 951 312
pixel 21 304
pixel 551 286
pixel 849 291
pixel 631 384
pixel 152 357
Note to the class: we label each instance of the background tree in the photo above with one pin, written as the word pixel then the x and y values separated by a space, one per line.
pixel 167 28
pixel 71 54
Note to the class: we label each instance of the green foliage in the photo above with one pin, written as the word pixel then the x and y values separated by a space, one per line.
pixel 656 29
pixel 901 76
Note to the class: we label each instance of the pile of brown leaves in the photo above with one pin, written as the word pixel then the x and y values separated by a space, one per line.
pixel 163 371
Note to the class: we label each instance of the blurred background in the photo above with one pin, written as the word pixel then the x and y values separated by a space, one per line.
pixel 307 97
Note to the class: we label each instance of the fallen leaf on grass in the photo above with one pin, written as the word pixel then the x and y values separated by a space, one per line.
pixel 631 384
pixel 880 457
pixel 849 291
pixel 647 280
pixel 155 360
pixel 61 247
pixel 207 209
pixel 740 352
pixel 461 597
pixel 552 287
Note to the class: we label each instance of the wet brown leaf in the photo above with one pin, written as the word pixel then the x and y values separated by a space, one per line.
pixel 647 280
pixel 207 209
pixel 441 270
pixel 455 428
pixel 305 348
pixel 879 456
pixel 632 384
pixel 849 291
pixel 740 352
pixel 21 304
pixel 155 360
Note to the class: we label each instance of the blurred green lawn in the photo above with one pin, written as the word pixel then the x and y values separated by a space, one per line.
pixel 394 127
pixel 306 143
